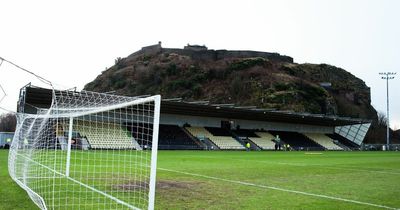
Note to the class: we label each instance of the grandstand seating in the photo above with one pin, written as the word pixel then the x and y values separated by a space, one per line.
pixel 264 140
pixel 261 139
pixel 198 132
pixel 245 133
pixel 103 135
pixel 222 138
pixel 344 141
pixel 323 140
pixel 218 131
pixel 173 137
pixel 297 141
pixel 140 132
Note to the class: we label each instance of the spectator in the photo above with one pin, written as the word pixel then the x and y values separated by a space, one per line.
pixel 26 142
pixel 278 142
pixel 248 146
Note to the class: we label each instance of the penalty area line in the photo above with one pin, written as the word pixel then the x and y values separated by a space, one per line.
pixel 25 186
pixel 279 189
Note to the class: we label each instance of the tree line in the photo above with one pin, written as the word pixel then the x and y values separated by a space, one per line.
pixel 8 122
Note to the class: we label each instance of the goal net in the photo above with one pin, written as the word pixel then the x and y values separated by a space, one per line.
pixel 88 150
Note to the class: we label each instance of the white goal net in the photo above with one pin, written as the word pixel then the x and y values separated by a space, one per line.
pixel 88 151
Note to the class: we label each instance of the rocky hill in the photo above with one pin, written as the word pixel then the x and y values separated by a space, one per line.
pixel 244 78
pixel 266 80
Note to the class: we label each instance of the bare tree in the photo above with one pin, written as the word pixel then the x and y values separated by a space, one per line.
pixel 8 122
pixel 377 132
pixel 382 120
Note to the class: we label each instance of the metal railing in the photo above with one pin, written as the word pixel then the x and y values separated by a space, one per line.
pixel 380 147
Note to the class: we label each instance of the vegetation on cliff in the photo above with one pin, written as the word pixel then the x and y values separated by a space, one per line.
pixel 246 80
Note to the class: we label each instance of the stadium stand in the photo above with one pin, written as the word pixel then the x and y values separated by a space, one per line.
pixel 106 135
pixel 173 137
pixel 245 133
pixel 218 131
pixel 264 140
pixel 222 137
pixel 343 141
pixel 198 133
pixel 323 140
pixel 138 131
pixel 33 99
pixel 297 141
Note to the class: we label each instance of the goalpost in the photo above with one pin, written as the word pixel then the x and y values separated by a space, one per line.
pixel 88 151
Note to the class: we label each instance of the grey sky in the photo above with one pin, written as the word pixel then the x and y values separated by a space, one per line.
pixel 71 42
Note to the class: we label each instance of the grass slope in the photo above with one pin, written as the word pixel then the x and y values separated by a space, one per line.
pixel 193 180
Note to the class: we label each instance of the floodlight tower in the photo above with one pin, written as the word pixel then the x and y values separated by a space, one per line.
pixel 387 76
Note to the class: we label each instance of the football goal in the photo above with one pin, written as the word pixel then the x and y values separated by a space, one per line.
pixel 87 150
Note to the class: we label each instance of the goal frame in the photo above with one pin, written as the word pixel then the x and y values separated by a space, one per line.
pixel 154 149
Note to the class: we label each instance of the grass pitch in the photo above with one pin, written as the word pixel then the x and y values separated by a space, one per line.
pixel 260 180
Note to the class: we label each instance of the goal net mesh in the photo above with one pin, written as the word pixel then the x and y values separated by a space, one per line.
pixel 88 151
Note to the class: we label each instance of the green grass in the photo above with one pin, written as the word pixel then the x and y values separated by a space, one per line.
pixel 11 195
pixel 210 180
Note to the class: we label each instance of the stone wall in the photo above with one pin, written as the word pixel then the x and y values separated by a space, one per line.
pixel 147 50
pixel 211 54
pixel 223 54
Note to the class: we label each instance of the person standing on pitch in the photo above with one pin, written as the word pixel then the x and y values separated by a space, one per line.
pixel 26 142
pixel 248 146
pixel 278 142
pixel 8 143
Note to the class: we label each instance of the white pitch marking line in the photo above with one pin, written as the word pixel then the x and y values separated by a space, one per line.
pixel 333 167
pixel 362 170
pixel 76 181
pixel 280 189
pixel 382 171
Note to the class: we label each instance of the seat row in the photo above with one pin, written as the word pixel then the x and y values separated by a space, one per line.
pixel 223 142
pixel 264 141
pixel 104 135
pixel 323 140
pixel 109 135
